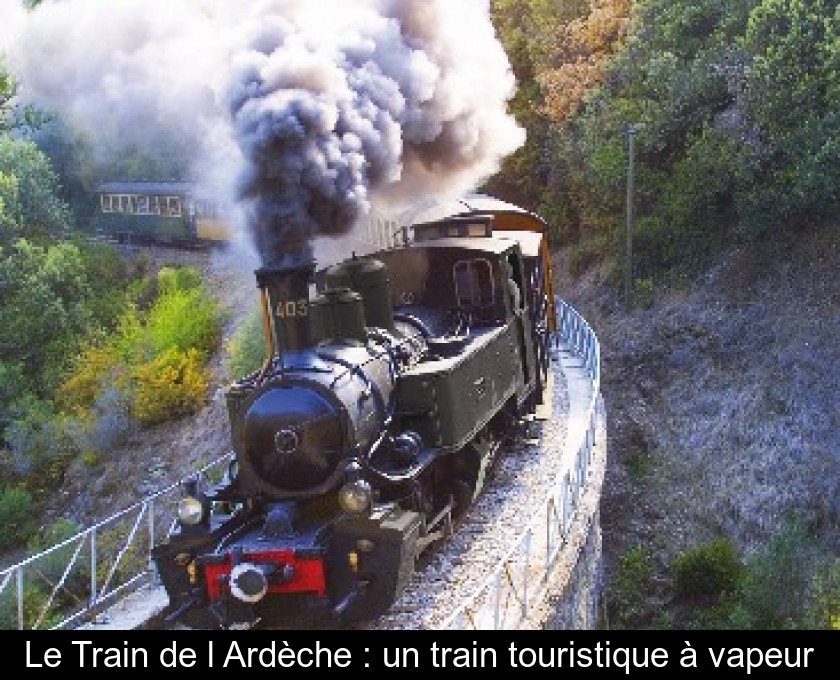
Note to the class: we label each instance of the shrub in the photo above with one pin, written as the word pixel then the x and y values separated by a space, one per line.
pixel 582 256
pixel 630 587
pixel 778 578
pixel 170 385
pixel 707 573
pixel 184 319
pixel 42 444
pixel 824 610
pixel 17 517
pixel 177 279
pixel 246 349
pixel 94 368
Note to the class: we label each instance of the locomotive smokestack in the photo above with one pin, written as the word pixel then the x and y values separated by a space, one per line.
pixel 286 288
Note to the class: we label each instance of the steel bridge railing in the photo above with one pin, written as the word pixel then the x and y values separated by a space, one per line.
pixel 77 578
pixel 516 586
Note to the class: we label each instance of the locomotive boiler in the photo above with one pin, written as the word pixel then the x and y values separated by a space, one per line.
pixel 390 384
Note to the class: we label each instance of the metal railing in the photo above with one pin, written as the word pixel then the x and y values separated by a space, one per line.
pixel 78 577
pixel 509 594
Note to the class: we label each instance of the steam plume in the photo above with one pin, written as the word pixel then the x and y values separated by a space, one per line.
pixel 308 111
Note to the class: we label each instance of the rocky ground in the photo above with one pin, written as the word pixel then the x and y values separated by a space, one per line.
pixel 722 403
pixel 722 398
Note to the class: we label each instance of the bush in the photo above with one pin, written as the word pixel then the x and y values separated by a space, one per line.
pixel 93 370
pixel 824 610
pixel 42 444
pixel 707 573
pixel 183 316
pixel 177 280
pixel 170 385
pixel 778 579
pixel 246 349
pixel 582 256
pixel 631 587
pixel 17 517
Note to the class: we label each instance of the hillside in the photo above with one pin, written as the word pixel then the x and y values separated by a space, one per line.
pixel 152 457
pixel 722 404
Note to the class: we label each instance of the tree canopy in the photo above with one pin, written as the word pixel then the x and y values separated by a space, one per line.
pixel 735 104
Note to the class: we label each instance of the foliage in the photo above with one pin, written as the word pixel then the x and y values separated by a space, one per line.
pixel 736 107
pixel 183 316
pixel 778 578
pixel 72 156
pixel 40 577
pixel 246 348
pixel 172 384
pixel 32 208
pixel 41 444
pixel 151 367
pixel 824 611
pixel 80 365
pixel 119 281
pixel 631 587
pixel 44 312
pixel 557 51
pixel 17 517
pixel 709 572
pixel 53 565
pixel 783 584
pixel 794 98
pixel 94 369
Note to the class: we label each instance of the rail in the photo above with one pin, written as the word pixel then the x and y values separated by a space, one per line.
pixel 73 580
pixel 516 587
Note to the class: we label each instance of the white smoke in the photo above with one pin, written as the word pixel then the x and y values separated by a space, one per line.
pixel 307 112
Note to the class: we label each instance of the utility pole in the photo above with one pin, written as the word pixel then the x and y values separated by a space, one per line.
pixel 628 265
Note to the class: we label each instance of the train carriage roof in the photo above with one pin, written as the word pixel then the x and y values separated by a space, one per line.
pixel 529 242
pixel 158 188
pixel 507 216
pixel 491 244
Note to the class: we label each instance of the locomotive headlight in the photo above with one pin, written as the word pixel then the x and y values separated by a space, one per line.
pixel 356 497
pixel 190 511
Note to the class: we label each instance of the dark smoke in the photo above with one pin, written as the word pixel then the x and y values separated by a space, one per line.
pixel 313 111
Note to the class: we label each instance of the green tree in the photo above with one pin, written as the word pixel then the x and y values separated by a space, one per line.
pixel 794 97
pixel 44 313
pixel 34 210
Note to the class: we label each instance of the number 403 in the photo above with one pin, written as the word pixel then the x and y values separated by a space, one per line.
pixel 292 308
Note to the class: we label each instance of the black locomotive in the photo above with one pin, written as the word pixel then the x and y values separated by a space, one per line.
pixel 381 407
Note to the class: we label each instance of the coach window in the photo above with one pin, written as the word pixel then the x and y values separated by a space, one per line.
pixel 143 205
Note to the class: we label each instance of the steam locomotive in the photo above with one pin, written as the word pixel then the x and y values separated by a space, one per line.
pixel 391 381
